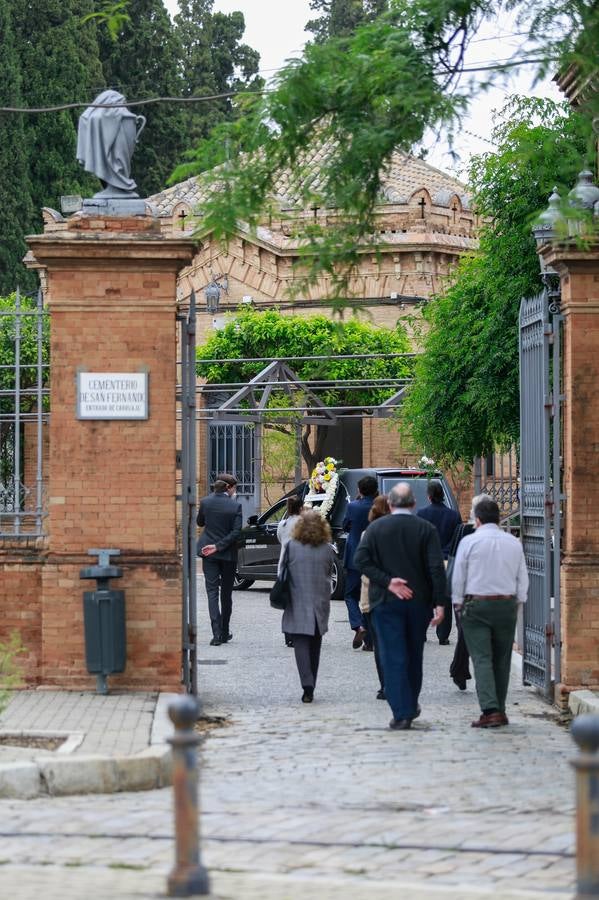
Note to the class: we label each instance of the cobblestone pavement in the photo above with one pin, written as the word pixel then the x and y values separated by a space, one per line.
pixel 323 801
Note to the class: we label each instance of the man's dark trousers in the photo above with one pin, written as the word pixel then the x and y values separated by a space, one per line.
pixel 444 629
pixel 353 585
pixel 400 630
pixel 219 573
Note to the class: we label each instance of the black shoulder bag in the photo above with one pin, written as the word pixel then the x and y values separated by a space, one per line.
pixel 280 593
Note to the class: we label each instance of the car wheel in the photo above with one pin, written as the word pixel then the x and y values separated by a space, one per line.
pixel 338 581
pixel 242 584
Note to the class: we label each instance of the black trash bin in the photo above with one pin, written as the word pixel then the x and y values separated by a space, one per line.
pixel 104 621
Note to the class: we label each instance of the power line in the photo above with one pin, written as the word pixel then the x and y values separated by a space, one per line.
pixel 206 98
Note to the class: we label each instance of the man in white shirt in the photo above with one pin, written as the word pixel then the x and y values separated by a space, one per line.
pixel 489 581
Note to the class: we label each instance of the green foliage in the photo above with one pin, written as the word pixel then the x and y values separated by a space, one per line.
pixel 278 462
pixel 28 371
pixel 59 62
pixel 361 96
pixel 465 399
pixel 271 334
pixel 213 61
pixel 341 17
pixel 28 343
pixel 113 15
pixel 15 198
pixel 252 334
pixel 10 671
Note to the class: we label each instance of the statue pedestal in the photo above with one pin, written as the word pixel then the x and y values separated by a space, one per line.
pixel 115 206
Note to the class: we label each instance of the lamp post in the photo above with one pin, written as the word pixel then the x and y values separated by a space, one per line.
pixel 583 196
pixel 212 292
pixel 547 228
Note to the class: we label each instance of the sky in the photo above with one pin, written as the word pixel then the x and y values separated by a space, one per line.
pixel 276 29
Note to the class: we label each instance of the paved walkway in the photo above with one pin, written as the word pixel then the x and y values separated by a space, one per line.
pixel 322 800
pixel 115 724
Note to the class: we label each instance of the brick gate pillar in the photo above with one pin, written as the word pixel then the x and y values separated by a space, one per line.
pixel 110 289
pixel 579 271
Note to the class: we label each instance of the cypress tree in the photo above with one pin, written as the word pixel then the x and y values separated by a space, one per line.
pixel 340 18
pixel 15 201
pixel 145 62
pixel 59 63
pixel 214 61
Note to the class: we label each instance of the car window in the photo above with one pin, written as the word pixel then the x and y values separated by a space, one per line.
pixel 274 515
pixel 418 486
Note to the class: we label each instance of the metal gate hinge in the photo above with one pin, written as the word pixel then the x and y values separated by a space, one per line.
pixel 549 630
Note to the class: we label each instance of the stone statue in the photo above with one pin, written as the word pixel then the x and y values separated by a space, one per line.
pixel 106 139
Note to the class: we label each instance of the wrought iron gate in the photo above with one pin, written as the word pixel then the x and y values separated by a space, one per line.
pixel 540 492
pixel 186 397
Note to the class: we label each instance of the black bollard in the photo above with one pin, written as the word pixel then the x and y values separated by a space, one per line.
pixel 189 878
pixel 585 731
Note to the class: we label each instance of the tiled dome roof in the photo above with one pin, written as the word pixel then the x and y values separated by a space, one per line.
pixel 403 176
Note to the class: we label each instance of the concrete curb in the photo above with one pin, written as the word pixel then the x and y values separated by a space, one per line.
pixel 580 702
pixel 162 727
pixel 59 777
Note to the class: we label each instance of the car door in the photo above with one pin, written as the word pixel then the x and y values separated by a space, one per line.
pixel 260 549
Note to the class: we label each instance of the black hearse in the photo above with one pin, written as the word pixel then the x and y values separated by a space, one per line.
pixel 258 547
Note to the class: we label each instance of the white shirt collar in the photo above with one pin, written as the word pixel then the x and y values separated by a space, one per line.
pixel 401 511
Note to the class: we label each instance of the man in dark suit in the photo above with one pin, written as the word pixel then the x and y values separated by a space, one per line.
pixel 446 521
pixel 356 520
pixel 401 555
pixel 220 516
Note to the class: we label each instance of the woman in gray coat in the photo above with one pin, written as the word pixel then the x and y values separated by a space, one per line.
pixel 284 531
pixel 310 558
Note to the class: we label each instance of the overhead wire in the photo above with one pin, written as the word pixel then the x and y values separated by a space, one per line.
pixel 227 95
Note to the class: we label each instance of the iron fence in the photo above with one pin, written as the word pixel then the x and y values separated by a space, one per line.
pixel 24 412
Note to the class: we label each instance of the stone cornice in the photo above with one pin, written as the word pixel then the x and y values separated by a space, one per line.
pixel 123 250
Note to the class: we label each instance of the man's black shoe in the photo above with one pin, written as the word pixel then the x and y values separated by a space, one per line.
pixel 225 640
pixel 400 724
pixel 215 642
pixel 460 683
pixel 417 713
pixel 358 638
pixel 444 643
pixel 380 695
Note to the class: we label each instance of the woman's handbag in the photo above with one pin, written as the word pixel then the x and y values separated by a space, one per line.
pixel 280 593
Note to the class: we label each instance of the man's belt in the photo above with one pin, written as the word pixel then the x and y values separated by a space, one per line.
pixel 490 597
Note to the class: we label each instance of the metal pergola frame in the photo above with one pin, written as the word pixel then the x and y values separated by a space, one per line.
pixel 249 403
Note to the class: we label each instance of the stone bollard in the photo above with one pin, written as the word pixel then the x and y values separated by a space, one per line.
pixel 189 878
pixel 585 731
